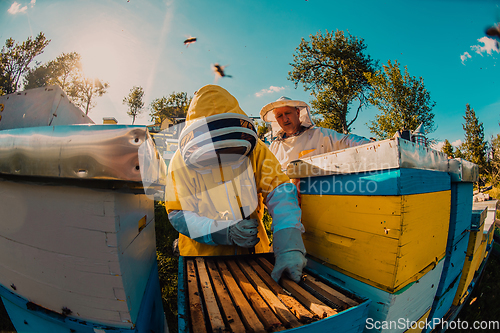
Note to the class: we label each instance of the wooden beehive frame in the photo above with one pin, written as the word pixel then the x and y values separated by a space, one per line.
pixel 237 294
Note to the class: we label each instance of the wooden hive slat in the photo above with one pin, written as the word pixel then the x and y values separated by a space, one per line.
pixel 293 305
pixel 196 309
pixel 210 302
pixel 228 309
pixel 237 294
pixel 281 311
pixel 248 316
pixel 311 302
pixel 265 314
pixel 329 293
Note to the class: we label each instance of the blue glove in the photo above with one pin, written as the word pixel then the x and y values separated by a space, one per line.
pixel 242 233
pixel 289 252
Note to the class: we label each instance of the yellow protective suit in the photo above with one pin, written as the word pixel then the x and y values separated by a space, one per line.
pixel 217 193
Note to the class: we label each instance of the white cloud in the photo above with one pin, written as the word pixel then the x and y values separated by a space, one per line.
pixel 32 3
pixel 16 8
pixel 270 90
pixel 439 145
pixel 489 46
pixel 464 57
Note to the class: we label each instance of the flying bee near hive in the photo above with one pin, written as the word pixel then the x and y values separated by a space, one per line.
pixel 219 71
pixel 189 40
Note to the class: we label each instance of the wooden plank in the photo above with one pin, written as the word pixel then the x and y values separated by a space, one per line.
pixel 281 311
pixel 228 309
pixel 265 314
pixel 310 302
pixel 213 311
pixel 248 316
pixel 293 305
pixel 196 310
pixel 329 293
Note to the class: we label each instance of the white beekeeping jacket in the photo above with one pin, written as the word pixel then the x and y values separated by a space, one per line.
pixel 313 141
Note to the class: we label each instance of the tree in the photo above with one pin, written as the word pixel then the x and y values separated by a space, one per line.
pixel 84 90
pixel 448 149
pixel 494 160
pixel 171 107
pixel 474 146
pixel 66 72
pixel 15 60
pixel 262 129
pixel 333 68
pixel 458 153
pixel 403 100
pixel 62 71
pixel 134 102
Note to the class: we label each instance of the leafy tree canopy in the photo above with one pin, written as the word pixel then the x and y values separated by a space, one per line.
pixel 448 149
pixel 66 72
pixel 494 160
pixel 403 100
pixel 134 101
pixel 333 67
pixel 15 60
pixel 173 106
pixel 84 90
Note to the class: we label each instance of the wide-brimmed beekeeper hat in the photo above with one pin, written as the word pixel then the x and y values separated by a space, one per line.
pixel 267 112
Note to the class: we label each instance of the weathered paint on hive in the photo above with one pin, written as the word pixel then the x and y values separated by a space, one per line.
pixel 419 325
pixel 385 241
pixel 474 255
pixel 92 259
pixel 461 210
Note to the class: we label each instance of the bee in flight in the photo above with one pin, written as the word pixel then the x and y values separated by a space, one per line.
pixel 189 40
pixel 219 70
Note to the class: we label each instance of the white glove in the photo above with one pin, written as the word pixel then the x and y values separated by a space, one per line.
pixel 289 252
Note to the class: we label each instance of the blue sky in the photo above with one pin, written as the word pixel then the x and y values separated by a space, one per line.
pixel 140 42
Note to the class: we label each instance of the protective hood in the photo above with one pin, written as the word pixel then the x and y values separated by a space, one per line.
pixel 217 130
pixel 267 113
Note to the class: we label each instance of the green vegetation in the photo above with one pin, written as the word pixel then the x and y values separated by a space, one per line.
pixel 15 60
pixel 333 67
pixel 403 100
pixel 169 108
pixel 134 101
pixel 167 264
pixel 66 72
pixel 484 302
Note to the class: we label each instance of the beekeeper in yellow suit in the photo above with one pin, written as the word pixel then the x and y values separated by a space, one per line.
pixel 295 133
pixel 218 181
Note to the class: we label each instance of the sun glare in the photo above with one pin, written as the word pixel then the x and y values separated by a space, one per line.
pixel 107 54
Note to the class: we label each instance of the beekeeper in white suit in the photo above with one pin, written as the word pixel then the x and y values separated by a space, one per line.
pixel 296 135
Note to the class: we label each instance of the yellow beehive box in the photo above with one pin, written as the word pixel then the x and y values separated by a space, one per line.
pixel 380 212
pixel 474 256
pixel 384 241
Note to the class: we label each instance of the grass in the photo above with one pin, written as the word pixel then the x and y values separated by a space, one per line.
pixel 483 304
